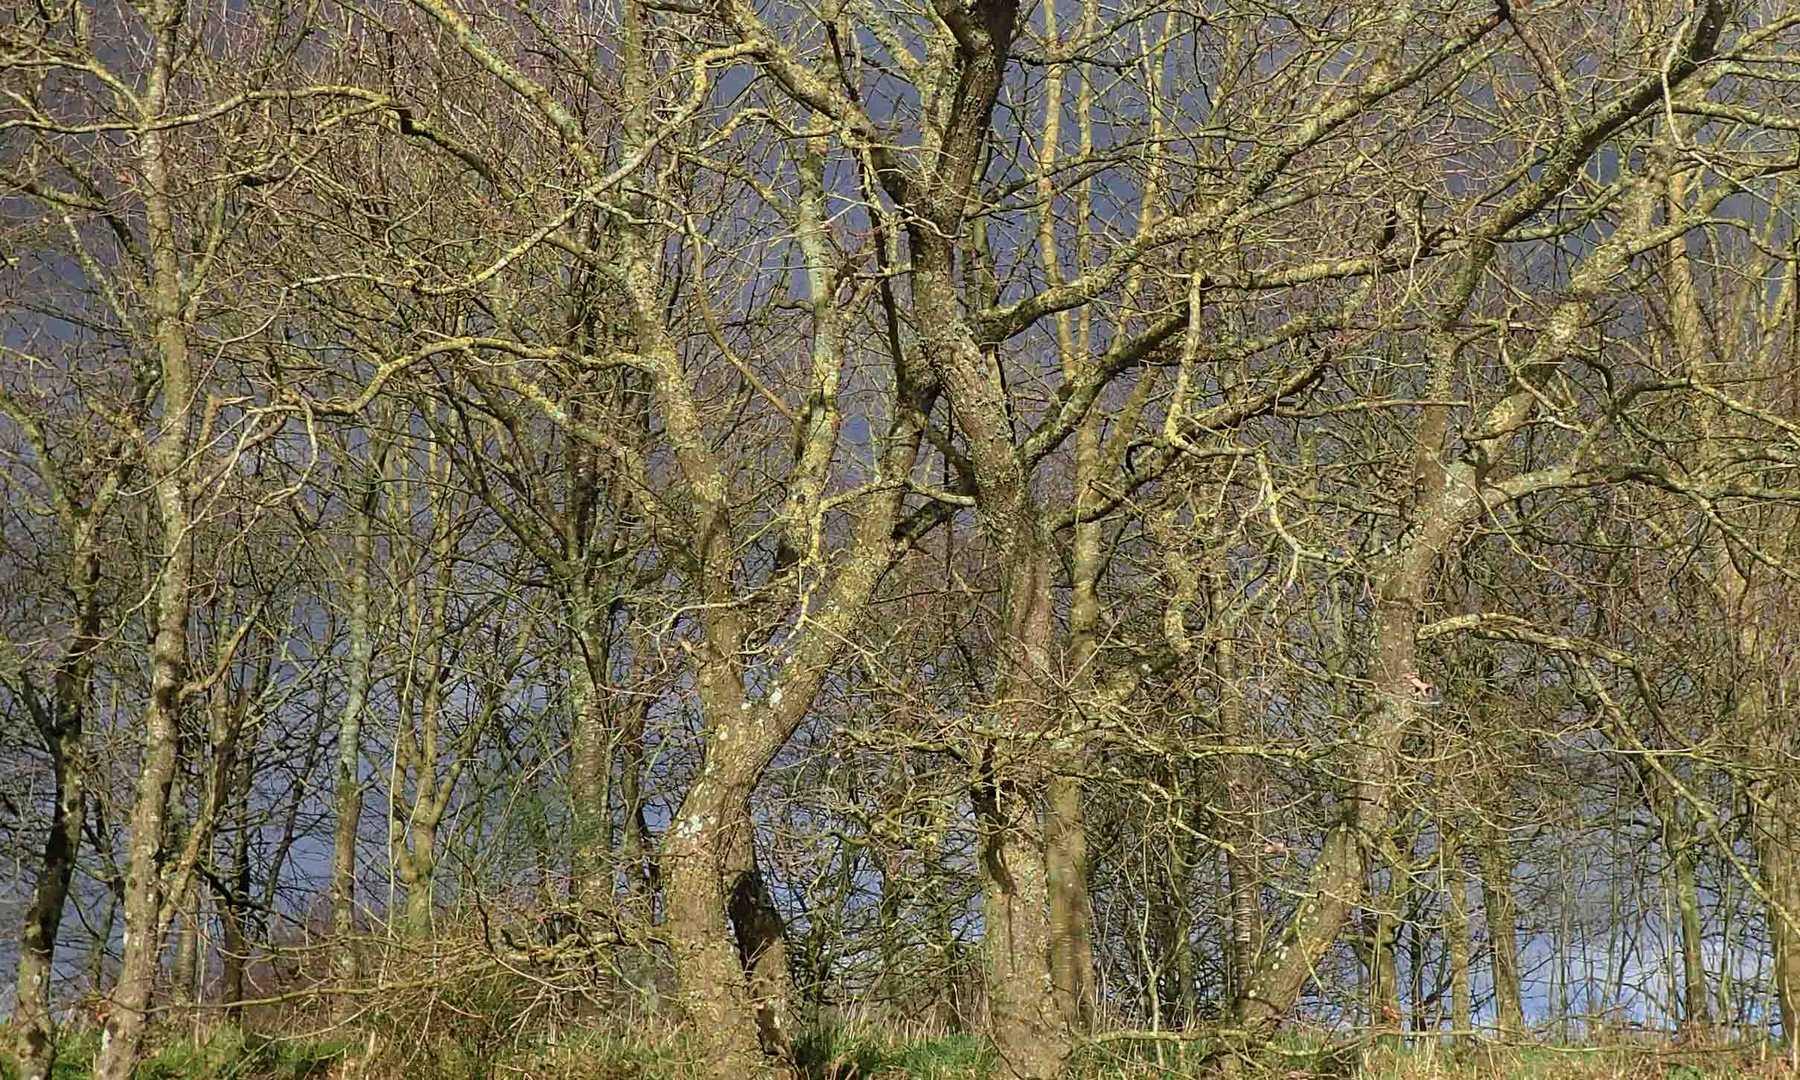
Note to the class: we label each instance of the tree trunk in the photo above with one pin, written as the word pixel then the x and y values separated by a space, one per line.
pixel 61 725
pixel 1696 1001
pixel 1066 867
pixel 636 849
pixel 1384 975
pixel 141 950
pixel 234 943
pixel 590 760
pixel 1503 935
pixel 738 1017
pixel 34 1032
pixel 1456 931
pixel 1776 815
pixel 1242 828
pixel 761 941
pixel 168 459
pixel 347 798
pixel 1028 1029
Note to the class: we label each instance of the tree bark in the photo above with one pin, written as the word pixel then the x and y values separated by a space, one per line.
pixel 590 758
pixel 1456 933
pixel 1679 842
pixel 34 1031
pixel 1030 1032
pixel 1503 935
pixel 1066 868
pixel 1243 781
pixel 347 797
pixel 61 725
pixel 168 460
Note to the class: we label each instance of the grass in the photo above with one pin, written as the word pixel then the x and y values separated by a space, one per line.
pixel 846 1052
pixel 225 1054
pixel 865 1052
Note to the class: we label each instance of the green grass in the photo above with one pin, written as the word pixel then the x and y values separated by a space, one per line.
pixel 75 1053
pixel 865 1052
pixel 226 1054
pixel 232 1054
pixel 844 1053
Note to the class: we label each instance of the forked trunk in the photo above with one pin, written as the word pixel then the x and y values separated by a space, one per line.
pixel 736 997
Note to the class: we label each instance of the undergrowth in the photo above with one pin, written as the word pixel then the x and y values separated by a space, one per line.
pixel 866 1052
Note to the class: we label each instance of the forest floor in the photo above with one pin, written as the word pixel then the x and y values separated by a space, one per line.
pixel 847 1054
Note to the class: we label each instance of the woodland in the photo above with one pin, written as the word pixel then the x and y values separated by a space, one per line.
pixel 1058 537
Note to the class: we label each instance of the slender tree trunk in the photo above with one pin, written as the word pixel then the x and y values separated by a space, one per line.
pixel 1444 500
pixel 34 1033
pixel 1243 805
pixel 1384 974
pixel 1503 936
pixel 184 993
pixel 347 797
pixel 168 459
pixel 1065 825
pixel 1696 1000
pixel 234 938
pixel 1338 874
pixel 1781 876
pixel 636 849
pixel 1775 815
pixel 142 944
pixel 1456 933
pixel 61 724
pixel 590 759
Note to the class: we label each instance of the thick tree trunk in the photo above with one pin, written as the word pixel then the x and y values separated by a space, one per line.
pixel 1066 867
pixel 736 997
pixel 1028 1028
pixel 761 941
pixel 1030 1032
pixel 418 872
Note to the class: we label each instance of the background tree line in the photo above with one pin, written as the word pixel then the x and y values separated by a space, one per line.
pixel 1069 517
